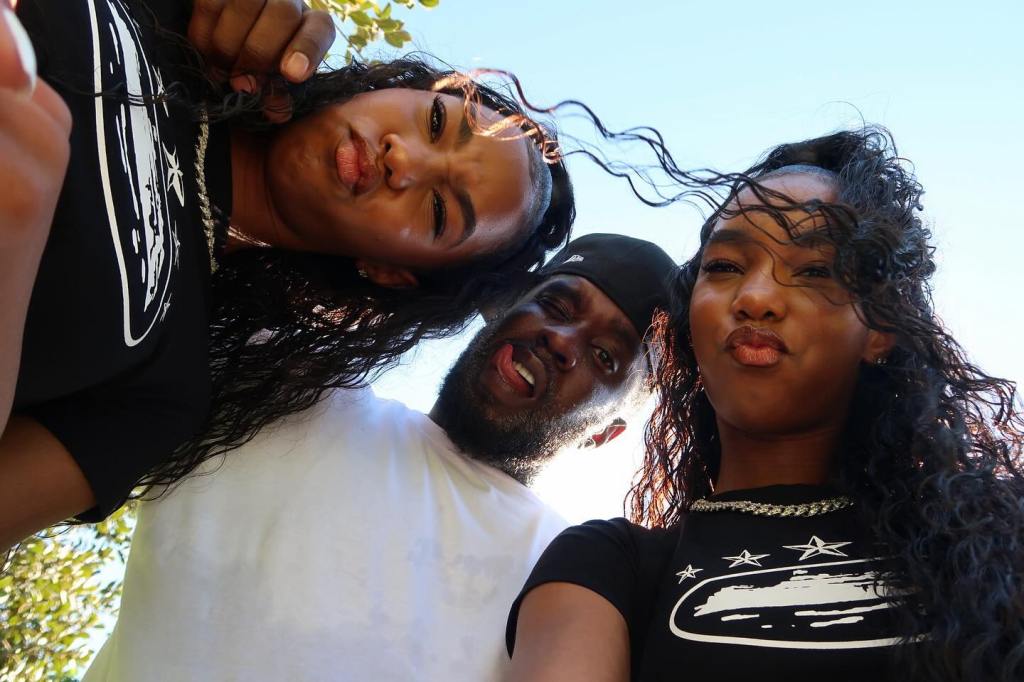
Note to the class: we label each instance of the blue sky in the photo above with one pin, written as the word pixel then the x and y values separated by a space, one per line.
pixel 725 81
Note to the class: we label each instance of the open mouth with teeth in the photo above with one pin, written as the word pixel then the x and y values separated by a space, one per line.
pixel 514 373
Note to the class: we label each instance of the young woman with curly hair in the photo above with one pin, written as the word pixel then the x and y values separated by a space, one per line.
pixel 208 267
pixel 831 489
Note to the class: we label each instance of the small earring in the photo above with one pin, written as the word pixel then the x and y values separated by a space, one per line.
pixel 881 360
pixel 362 273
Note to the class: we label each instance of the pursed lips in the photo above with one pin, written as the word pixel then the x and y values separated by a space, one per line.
pixel 357 164
pixel 755 346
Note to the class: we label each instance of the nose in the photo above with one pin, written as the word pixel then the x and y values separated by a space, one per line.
pixel 561 344
pixel 407 162
pixel 760 297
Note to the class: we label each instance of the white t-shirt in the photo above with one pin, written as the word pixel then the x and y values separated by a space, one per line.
pixel 351 542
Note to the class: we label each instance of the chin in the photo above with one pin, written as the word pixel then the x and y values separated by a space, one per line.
pixel 755 419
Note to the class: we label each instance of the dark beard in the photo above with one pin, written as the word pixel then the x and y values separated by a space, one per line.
pixel 519 444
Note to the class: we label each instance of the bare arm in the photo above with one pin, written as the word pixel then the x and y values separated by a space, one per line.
pixel 567 633
pixel 34 129
pixel 40 484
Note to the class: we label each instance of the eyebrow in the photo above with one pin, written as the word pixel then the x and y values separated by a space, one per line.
pixel 625 334
pixel 728 235
pixel 468 214
pixel 809 240
pixel 462 196
pixel 465 130
pixel 564 290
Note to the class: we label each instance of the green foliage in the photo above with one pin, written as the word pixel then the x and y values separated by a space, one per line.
pixel 368 22
pixel 52 596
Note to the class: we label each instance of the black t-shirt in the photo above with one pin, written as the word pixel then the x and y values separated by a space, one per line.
pixel 114 359
pixel 732 596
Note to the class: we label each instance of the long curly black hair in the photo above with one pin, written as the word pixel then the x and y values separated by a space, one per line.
pixel 932 452
pixel 286 327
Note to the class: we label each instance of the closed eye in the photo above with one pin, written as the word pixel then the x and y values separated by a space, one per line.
pixel 554 307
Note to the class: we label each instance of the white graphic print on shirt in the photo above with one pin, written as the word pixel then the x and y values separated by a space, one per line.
pixel 798 606
pixel 139 172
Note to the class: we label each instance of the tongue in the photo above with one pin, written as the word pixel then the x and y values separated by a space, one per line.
pixel 503 361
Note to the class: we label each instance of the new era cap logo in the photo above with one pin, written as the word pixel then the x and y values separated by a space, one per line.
pixel 574 259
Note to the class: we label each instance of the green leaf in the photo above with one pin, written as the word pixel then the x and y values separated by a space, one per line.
pixel 397 38
pixel 430 4
pixel 360 18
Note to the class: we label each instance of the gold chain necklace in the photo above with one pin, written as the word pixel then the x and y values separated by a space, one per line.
pixel 775 510
pixel 205 210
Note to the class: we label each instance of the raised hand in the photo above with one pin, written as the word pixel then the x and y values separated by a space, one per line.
pixel 34 128
pixel 253 41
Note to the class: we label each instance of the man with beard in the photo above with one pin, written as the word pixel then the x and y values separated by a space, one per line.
pixel 363 540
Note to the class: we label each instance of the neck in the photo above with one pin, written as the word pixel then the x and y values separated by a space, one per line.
pixel 253 215
pixel 756 460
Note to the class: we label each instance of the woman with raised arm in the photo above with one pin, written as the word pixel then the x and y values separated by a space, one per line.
pixel 831 489
pixel 217 260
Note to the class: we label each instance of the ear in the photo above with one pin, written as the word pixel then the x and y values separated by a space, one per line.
pixel 878 347
pixel 613 430
pixel 390 276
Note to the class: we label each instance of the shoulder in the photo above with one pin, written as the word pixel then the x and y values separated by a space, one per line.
pixel 618 560
pixel 618 537
pixel 611 557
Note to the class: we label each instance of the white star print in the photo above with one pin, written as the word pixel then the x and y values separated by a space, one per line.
pixel 688 572
pixel 745 558
pixel 174 175
pixel 816 547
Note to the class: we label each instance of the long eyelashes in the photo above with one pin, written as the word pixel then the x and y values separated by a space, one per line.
pixel 820 271
pixel 813 271
pixel 435 123
pixel 713 266
pixel 440 214
pixel 437 118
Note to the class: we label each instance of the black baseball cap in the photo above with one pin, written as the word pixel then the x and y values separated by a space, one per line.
pixel 634 273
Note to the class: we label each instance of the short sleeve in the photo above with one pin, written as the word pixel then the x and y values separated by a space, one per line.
pixel 616 559
pixel 120 431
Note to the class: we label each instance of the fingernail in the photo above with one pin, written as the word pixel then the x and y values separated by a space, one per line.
pixel 296 66
pixel 26 54
pixel 245 84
